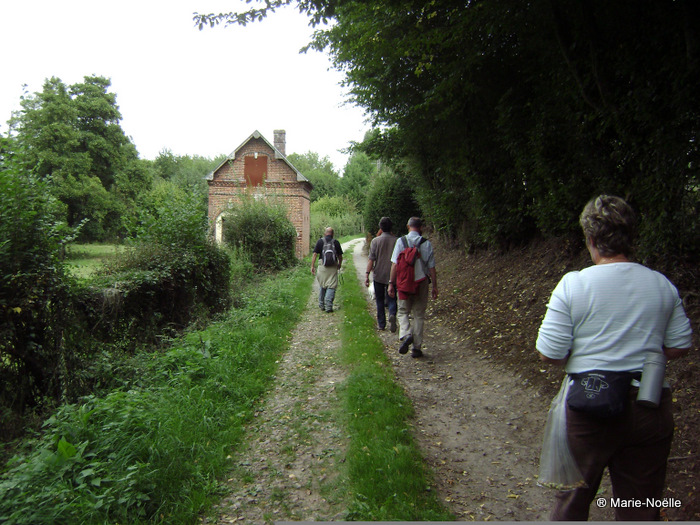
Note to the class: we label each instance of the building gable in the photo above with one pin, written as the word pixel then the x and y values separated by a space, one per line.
pixel 262 169
pixel 255 146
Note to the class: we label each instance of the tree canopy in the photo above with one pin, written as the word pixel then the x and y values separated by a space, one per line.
pixel 319 171
pixel 71 137
pixel 357 176
pixel 507 116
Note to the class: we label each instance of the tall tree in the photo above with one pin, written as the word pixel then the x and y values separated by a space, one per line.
pixel 357 176
pixel 320 173
pixel 509 115
pixel 188 172
pixel 100 135
pixel 71 137
pixel 390 196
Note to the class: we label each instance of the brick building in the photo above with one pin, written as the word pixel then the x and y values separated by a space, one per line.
pixel 262 170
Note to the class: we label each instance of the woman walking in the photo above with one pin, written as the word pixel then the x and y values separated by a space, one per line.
pixel 605 322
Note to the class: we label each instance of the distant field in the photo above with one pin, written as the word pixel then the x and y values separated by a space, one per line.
pixel 84 259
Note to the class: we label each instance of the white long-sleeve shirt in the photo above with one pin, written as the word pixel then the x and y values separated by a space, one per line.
pixel 611 316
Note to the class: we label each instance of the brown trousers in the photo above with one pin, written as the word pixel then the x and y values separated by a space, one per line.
pixel 634 447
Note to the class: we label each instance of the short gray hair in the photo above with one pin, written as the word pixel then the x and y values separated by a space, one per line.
pixel 415 222
pixel 611 224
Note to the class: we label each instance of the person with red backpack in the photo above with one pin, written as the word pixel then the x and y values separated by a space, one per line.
pixel 412 269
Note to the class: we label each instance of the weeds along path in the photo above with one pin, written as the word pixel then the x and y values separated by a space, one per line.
pixel 288 468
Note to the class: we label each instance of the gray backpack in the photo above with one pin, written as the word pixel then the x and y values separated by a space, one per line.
pixel 328 255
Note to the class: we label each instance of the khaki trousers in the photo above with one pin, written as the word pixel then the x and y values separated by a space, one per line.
pixel 414 305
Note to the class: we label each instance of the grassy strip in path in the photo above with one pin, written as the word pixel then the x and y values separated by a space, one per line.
pixel 153 452
pixel 387 476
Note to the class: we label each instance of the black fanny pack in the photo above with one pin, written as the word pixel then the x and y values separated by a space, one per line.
pixel 600 393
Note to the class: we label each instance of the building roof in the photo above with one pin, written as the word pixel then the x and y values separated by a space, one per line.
pixel 278 155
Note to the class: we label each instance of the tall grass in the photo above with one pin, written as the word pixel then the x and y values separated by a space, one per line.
pixel 153 452
pixel 385 468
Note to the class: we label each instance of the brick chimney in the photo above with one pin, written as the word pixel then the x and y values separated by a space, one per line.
pixel 280 141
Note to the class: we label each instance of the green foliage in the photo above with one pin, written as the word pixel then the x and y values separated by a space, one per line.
pixel 53 330
pixel 508 117
pixel 358 173
pixel 71 136
pixel 320 173
pixel 338 212
pixel 172 216
pixel 391 196
pixel 186 172
pixel 171 271
pixel 242 267
pixel 334 206
pixel 263 231
pixel 131 184
pixel 154 451
pixel 33 292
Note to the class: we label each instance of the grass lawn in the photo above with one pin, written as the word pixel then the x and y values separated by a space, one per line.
pixel 83 260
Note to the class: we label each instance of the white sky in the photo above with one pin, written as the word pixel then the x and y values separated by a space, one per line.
pixel 192 92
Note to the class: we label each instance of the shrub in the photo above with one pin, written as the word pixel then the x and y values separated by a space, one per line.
pixel 262 231
pixel 33 293
pixel 54 331
pixel 390 196
pixel 153 452
pixel 173 273
pixel 172 216
pixel 339 213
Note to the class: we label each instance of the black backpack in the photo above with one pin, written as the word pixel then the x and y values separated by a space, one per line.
pixel 328 255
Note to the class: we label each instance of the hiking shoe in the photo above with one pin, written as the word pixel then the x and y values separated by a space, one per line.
pixel 417 352
pixel 392 323
pixel 405 343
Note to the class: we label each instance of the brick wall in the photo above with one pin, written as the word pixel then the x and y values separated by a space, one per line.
pixel 228 183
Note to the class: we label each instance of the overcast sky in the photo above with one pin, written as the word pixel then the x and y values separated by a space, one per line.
pixel 192 92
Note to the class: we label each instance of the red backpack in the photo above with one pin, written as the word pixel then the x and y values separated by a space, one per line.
pixel 406 283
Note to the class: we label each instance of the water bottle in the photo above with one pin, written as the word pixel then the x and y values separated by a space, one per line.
pixel 652 381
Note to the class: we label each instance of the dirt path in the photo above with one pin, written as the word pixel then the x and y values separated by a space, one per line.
pixel 479 428
pixel 475 425
pixel 287 469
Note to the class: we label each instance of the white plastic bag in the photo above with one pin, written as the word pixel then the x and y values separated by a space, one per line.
pixel 558 468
